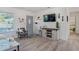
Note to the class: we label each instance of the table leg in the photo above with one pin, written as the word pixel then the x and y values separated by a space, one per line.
pixel 18 47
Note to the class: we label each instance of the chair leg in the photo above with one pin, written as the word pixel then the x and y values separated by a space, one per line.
pixel 18 47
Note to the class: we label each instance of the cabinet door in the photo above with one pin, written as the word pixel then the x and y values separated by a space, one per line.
pixel 54 35
pixel 44 33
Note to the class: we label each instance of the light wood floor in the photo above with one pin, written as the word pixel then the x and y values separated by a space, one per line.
pixel 37 43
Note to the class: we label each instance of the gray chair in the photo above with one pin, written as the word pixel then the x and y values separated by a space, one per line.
pixel 23 33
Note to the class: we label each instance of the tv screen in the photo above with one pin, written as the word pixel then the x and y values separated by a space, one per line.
pixel 49 18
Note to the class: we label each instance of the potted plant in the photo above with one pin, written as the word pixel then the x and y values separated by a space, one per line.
pixel 73 29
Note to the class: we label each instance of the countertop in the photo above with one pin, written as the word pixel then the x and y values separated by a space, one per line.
pixel 50 28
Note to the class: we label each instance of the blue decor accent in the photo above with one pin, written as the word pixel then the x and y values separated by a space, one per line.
pixel 4 44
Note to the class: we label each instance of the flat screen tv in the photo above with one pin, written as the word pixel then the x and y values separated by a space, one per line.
pixel 49 18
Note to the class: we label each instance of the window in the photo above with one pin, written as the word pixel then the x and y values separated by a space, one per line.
pixel 6 22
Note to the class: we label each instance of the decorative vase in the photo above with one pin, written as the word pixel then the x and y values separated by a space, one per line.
pixel 57 24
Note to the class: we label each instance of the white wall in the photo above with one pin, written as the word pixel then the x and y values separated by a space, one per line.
pixel 72 23
pixel 77 24
pixel 18 13
pixel 72 20
pixel 73 9
pixel 63 32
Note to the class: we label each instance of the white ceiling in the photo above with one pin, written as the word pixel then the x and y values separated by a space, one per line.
pixel 74 9
pixel 37 9
pixel 33 9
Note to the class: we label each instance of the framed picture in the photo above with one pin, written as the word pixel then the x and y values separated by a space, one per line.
pixel 67 18
pixel 36 22
pixel 59 15
pixel 38 18
pixel 62 18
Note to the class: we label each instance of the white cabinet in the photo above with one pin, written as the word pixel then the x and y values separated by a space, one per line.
pixel 54 35
pixel 50 33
